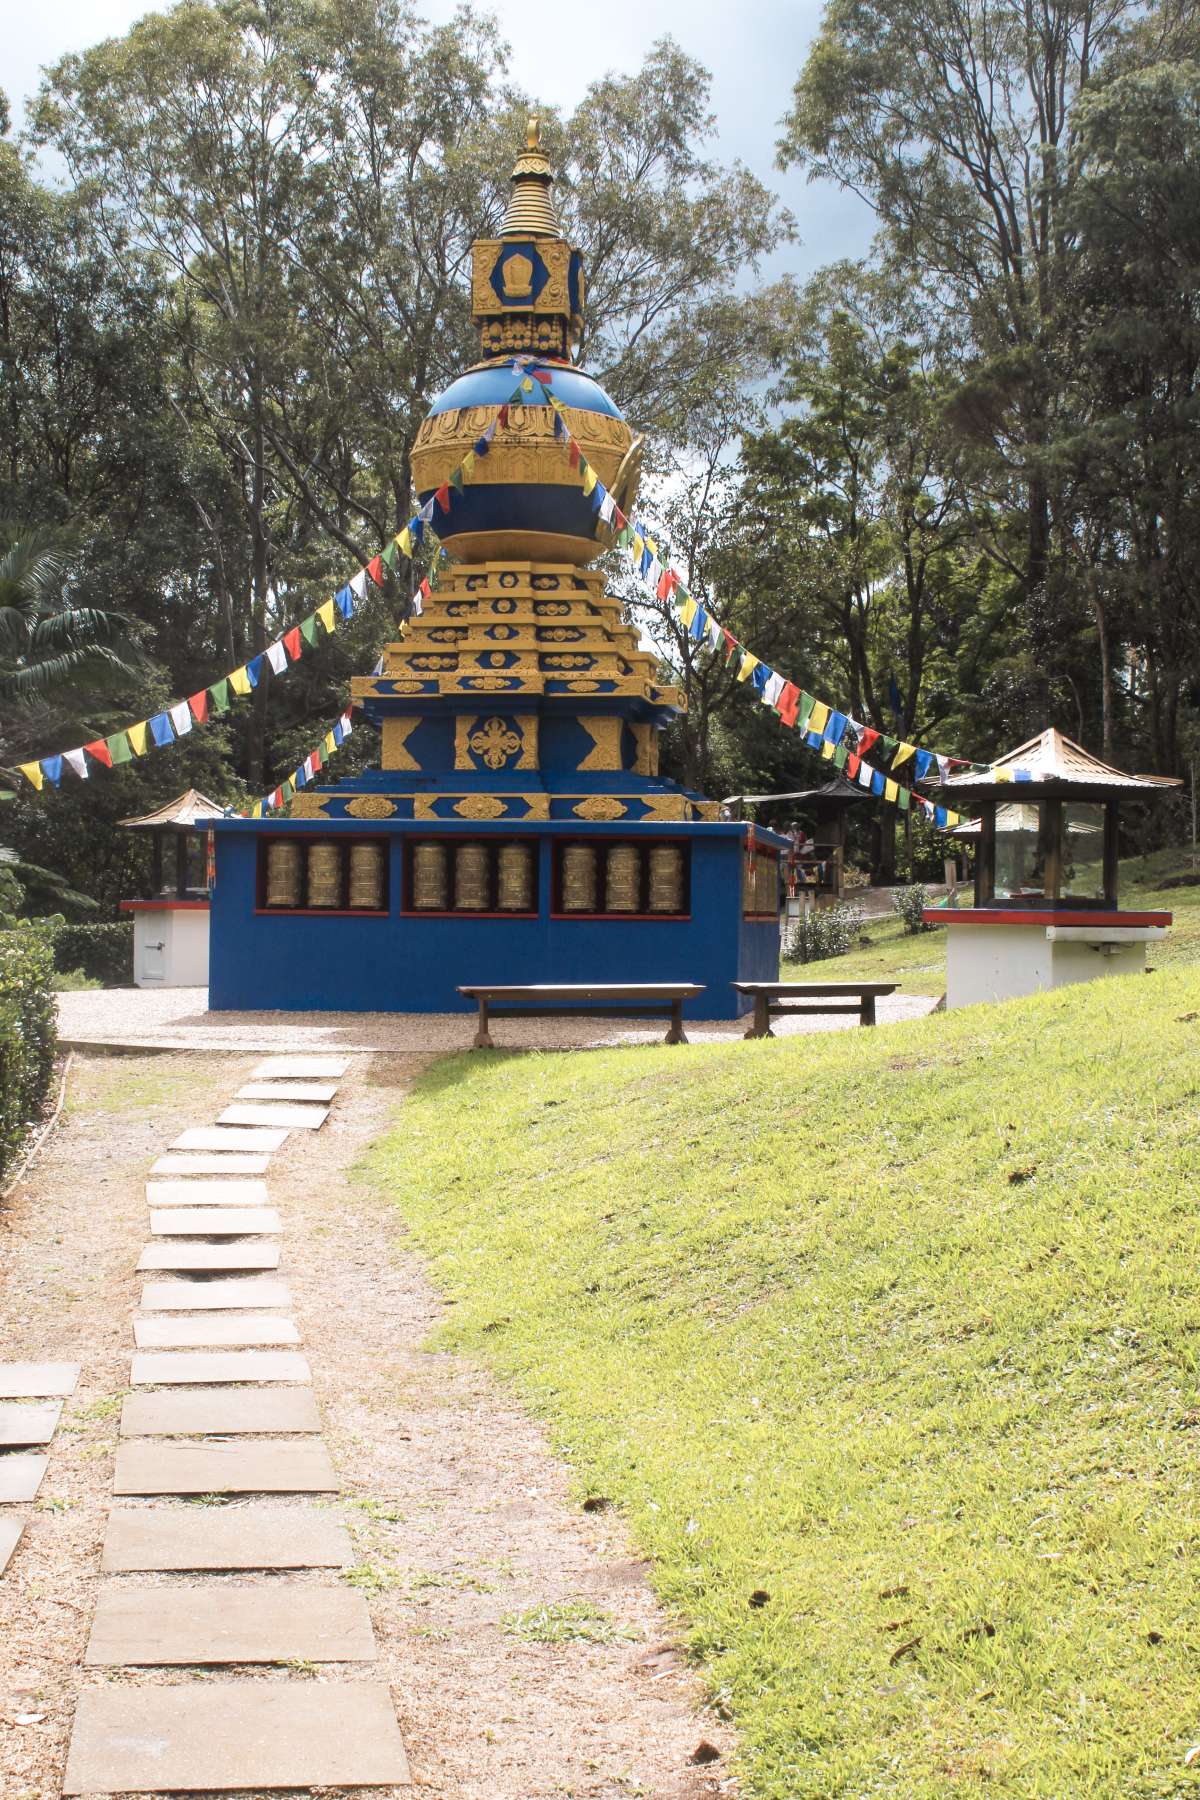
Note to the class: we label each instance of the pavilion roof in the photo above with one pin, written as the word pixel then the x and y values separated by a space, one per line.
pixel 837 789
pixel 187 811
pixel 1055 761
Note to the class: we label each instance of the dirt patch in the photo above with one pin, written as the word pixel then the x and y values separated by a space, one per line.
pixel 526 1653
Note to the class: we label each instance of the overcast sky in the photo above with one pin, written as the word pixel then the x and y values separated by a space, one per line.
pixel 754 54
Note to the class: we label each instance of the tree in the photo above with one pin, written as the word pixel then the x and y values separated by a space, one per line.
pixel 45 642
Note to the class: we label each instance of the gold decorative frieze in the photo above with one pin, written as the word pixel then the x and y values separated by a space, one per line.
pixel 394 737
pixel 604 757
pixel 309 806
pixel 480 806
pixel 525 451
pixel 646 738
pixel 662 809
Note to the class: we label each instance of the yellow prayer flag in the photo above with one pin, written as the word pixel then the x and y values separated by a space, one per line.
pixel 826 750
pixel 468 463
pixel 404 540
pixel 137 738
pixel 903 754
pixel 589 479
pixel 527 385
pixel 329 743
pixel 636 546
pixel 239 681
pixel 749 664
pixel 651 546
pixel 953 818
pixel 256 810
pixel 326 614
pixel 687 611
pixel 818 718
pixel 1001 774
pixel 890 791
pixel 33 772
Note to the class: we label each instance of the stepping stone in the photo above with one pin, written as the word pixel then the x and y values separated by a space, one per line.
pixel 202 1164
pixel 206 1193
pixel 11 1527
pixel 301 1068
pixel 154 1467
pixel 224 1537
pixel 21 1476
pixel 293 1118
pixel 216 1736
pixel 155 1368
pixel 213 1138
pixel 288 1090
pixel 215 1411
pixel 174 1333
pixel 21 1426
pixel 208 1259
pixel 215 1221
pixel 37 1380
pixel 212 1296
pixel 228 1622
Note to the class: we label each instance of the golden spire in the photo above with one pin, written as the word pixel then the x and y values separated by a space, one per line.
pixel 530 209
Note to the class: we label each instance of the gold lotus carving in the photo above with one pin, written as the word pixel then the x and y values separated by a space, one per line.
pixel 600 807
pixel 371 806
pixel 480 806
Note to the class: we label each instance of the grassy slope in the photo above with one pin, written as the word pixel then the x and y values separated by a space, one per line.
pixel 901 1328
pixel 919 963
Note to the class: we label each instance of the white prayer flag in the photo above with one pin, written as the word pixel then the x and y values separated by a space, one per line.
pixel 772 689
pixel 277 656
pixel 77 761
pixel 180 717
pixel 358 585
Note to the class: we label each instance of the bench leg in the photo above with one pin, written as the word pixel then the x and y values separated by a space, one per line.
pixel 761 1024
pixel 482 1037
pixel 866 1010
pixel 675 1030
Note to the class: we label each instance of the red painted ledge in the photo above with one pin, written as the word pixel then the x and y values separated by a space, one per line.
pixel 164 905
pixel 986 915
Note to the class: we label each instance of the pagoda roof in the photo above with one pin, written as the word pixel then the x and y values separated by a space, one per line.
pixel 837 789
pixel 1051 762
pixel 186 812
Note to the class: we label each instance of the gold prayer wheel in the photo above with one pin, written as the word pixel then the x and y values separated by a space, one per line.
pixel 579 878
pixel 516 878
pixel 471 878
pixel 366 876
pixel 622 879
pixel 324 875
pixel 283 872
pixel 430 889
pixel 747 882
pixel 666 878
pixel 766 885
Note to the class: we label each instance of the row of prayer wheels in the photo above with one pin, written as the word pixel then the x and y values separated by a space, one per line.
pixel 325 875
pixel 479 877
pixel 760 884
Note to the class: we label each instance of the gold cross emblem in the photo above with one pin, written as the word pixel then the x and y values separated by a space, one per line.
pixel 494 743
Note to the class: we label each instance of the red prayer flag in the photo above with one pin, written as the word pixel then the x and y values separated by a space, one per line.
pixel 375 570
pixel 443 496
pixel 852 763
pixel 199 705
pixel 788 702
pixel 542 375
pixel 100 751
pixel 619 519
pixel 291 643
pixel 426 590
pixel 277 797
pixel 666 584
pixel 315 761
pixel 502 418
pixel 573 454
pixel 868 738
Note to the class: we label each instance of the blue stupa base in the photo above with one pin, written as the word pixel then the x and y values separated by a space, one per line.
pixel 397 959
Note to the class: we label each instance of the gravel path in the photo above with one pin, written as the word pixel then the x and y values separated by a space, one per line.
pixel 178 1019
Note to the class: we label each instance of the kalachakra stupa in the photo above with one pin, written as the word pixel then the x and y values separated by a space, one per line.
pixel 517 828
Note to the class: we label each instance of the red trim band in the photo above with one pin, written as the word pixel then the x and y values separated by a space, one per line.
pixel 164 905
pixel 983 915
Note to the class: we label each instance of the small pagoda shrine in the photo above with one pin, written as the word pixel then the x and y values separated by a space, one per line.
pixel 517 829
pixel 170 927
pixel 1046 910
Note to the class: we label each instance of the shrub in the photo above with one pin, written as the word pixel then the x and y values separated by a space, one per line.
pixel 909 903
pixel 27 1035
pixel 102 952
pixel 824 932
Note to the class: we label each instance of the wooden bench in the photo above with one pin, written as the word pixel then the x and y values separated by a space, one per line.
pixel 773 999
pixel 641 1000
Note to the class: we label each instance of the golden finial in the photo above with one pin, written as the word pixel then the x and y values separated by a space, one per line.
pixel 533 131
pixel 531 210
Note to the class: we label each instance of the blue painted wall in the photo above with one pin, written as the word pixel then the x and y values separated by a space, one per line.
pixel 298 962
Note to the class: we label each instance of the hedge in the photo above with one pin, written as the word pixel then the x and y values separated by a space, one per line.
pixel 28 1037
pixel 103 952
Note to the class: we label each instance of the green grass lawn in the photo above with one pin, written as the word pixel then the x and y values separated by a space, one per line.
pixel 897 1332
pixel 918 962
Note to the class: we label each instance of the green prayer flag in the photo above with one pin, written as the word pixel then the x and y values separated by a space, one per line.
pixel 889 745
pixel 804 711
pixel 219 693
pixel 391 553
pixel 456 480
pixel 308 629
pixel 118 748
pixel 903 798
pixel 839 756
pixel 287 788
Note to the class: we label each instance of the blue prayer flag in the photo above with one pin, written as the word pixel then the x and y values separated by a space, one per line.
pixel 835 727
pixel 52 768
pixel 345 602
pixel 254 669
pixel 876 782
pixel 939 813
pixel 160 730
pixel 924 758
